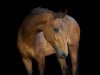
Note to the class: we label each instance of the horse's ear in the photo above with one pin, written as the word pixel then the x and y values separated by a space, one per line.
pixel 57 15
pixel 60 15
pixel 64 14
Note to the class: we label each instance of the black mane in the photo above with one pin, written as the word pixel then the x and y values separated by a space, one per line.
pixel 40 10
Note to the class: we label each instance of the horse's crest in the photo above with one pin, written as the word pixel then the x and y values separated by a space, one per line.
pixel 40 10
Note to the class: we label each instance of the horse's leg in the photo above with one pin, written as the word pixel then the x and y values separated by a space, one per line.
pixel 73 54
pixel 41 64
pixel 63 65
pixel 28 64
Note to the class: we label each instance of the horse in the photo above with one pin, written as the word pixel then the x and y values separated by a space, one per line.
pixel 44 32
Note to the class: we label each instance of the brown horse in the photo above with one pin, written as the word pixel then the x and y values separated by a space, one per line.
pixel 43 33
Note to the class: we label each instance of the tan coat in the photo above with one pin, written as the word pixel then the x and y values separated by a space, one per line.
pixel 32 43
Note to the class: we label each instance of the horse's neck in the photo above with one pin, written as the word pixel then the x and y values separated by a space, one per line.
pixel 28 35
pixel 28 30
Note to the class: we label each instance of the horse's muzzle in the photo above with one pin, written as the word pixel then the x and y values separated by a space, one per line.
pixel 60 53
pixel 62 56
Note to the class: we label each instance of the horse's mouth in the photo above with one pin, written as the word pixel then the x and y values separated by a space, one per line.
pixel 62 56
pixel 60 53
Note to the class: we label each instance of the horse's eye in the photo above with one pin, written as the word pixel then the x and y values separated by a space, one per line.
pixel 56 29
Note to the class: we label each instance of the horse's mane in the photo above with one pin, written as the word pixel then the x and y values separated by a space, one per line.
pixel 40 10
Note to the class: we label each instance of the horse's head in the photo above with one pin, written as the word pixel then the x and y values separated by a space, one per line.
pixel 55 33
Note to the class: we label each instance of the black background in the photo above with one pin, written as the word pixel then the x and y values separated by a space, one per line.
pixel 16 11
